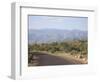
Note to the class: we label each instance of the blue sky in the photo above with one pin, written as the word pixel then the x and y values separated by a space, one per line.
pixel 56 22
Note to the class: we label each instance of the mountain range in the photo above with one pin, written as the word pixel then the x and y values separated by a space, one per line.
pixel 55 35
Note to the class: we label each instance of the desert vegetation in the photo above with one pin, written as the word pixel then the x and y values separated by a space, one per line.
pixel 76 48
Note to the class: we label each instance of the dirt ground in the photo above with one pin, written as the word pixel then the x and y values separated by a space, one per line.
pixel 44 59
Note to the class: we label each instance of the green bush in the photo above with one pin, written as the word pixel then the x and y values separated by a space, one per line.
pixel 73 47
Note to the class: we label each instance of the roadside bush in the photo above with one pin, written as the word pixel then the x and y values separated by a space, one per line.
pixel 73 47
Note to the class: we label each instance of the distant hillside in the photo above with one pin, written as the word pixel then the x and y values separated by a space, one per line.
pixel 55 35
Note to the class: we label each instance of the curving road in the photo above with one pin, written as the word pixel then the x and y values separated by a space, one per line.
pixel 48 59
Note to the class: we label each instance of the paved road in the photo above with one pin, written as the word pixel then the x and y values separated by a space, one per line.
pixel 48 59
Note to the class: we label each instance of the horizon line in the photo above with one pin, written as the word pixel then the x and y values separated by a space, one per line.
pixel 57 29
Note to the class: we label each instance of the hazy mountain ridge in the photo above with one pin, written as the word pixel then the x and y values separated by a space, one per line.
pixel 55 35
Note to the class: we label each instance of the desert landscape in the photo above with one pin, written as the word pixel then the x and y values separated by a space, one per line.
pixel 52 44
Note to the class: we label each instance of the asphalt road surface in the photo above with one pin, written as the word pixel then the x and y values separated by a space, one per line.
pixel 48 59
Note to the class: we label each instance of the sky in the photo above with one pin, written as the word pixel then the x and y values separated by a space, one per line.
pixel 57 22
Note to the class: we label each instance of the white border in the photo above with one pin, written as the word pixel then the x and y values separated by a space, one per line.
pixel 19 43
